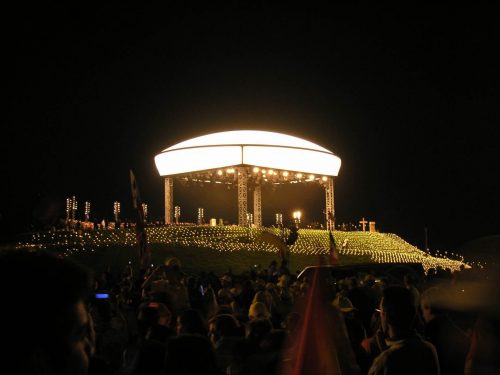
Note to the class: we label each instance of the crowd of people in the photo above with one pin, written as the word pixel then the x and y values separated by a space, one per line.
pixel 61 318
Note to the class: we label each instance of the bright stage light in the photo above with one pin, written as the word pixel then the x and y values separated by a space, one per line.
pixel 258 148
pixel 197 159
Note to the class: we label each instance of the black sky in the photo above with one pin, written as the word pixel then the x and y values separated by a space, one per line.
pixel 406 97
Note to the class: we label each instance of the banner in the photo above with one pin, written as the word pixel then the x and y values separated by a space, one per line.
pixel 334 254
pixel 140 227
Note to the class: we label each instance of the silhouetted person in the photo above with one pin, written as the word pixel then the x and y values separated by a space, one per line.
pixel 409 282
pixel 355 329
pixel 191 321
pixel 371 348
pixel 45 326
pixel 225 332
pixel 155 330
pixel 452 344
pixel 408 353
pixel 191 355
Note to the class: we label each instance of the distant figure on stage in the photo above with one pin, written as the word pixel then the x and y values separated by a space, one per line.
pixel 344 244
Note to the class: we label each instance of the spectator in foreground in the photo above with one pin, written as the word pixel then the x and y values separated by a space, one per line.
pixel 224 332
pixel 190 321
pixel 409 282
pixel 45 325
pixel 355 329
pixel 258 310
pixel 191 355
pixel 372 346
pixel 452 344
pixel 408 353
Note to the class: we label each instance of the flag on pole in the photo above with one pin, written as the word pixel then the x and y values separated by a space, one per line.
pixel 140 226
pixel 275 241
pixel 320 344
pixel 334 255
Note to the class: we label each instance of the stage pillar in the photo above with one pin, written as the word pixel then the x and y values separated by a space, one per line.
pixel 242 196
pixel 257 206
pixel 330 204
pixel 169 199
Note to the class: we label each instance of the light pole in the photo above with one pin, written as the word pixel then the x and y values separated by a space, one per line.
pixel 116 211
pixel 249 219
pixel 73 208
pixel 201 215
pixel 177 214
pixel 279 219
pixel 87 211
pixel 296 218
pixel 69 206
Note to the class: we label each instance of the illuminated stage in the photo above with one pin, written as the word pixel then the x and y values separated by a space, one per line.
pixel 248 158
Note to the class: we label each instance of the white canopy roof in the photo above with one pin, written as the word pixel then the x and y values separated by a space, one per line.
pixel 247 147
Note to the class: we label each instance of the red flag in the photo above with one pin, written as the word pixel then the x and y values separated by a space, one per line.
pixel 140 226
pixel 320 345
pixel 334 254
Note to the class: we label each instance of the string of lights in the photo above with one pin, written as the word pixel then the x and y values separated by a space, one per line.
pixel 379 247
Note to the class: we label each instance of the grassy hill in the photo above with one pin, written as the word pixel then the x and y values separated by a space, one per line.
pixel 227 247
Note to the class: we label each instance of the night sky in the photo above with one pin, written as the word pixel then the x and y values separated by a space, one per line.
pixel 407 98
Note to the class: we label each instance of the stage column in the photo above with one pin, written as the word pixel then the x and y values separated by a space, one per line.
pixel 169 199
pixel 257 206
pixel 330 204
pixel 242 196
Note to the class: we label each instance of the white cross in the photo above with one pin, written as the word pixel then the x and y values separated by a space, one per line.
pixel 363 222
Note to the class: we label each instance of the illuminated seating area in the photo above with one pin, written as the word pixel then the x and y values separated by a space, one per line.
pixel 379 247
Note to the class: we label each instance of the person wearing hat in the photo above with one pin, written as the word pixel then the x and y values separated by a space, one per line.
pixel 355 328
pixel 258 310
pixel 343 303
pixel 173 271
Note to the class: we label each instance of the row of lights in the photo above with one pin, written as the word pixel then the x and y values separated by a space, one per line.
pixel 271 172
pixel 299 176
pixel 379 247
pixel 201 216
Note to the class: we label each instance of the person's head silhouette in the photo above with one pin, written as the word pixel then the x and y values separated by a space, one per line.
pixel 45 325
